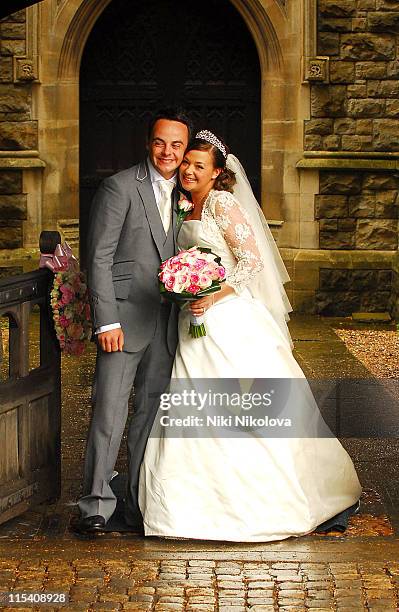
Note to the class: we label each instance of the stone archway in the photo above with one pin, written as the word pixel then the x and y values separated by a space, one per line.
pixel 64 32
pixel 276 27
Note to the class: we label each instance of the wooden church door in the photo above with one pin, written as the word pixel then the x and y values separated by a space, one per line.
pixel 142 56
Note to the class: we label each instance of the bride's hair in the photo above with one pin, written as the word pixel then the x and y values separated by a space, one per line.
pixel 227 178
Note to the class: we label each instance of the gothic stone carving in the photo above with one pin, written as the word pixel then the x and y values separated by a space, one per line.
pixel 316 69
pixel 25 69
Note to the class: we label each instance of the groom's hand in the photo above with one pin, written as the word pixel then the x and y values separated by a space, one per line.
pixel 111 341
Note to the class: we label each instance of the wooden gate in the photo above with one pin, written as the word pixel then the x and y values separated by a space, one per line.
pixel 30 400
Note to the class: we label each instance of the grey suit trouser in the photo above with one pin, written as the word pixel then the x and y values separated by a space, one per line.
pixel 149 370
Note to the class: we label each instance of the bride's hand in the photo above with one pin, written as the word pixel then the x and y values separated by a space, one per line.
pixel 199 307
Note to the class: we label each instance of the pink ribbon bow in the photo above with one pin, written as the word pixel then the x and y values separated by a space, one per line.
pixel 61 260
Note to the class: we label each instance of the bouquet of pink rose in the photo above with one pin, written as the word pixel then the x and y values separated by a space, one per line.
pixel 190 275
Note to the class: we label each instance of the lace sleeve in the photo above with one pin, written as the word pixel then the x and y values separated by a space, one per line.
pixel 234 225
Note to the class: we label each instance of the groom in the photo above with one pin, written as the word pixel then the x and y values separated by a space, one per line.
pixel 132 229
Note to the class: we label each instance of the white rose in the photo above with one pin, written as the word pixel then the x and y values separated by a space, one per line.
pixel 185 205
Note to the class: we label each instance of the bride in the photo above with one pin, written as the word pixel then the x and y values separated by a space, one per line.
pixel 223 486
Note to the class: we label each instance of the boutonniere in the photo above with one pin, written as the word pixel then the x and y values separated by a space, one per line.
pixel 184 207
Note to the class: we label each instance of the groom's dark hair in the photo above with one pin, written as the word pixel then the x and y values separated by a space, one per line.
pixel 171 114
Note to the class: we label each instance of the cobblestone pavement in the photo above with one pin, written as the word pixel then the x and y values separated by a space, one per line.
pixel 355 571
pixel 208 585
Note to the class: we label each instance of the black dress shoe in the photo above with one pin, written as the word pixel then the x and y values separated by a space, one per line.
pixel 90 524
pixel 135 525
pixel 137 528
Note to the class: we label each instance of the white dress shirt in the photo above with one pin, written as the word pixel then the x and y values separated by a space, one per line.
pixel 155 177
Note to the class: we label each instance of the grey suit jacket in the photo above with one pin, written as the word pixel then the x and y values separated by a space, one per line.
pixel 126 244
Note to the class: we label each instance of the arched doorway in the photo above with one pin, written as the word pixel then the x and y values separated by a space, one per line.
pixel 144 55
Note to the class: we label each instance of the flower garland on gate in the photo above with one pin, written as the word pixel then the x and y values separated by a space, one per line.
pixel 69 300
pixel 71 311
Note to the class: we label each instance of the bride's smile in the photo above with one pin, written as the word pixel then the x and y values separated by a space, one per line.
pixel 198 173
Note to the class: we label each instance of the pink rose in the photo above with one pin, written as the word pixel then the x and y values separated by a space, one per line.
pixel 221 272
pixel 205 281
pixel 64 321
pixel 173 265
pixel 193 288
pixel 170 281
pixel 164 275
pixel 200 264
pixel 176 267
pixel 194 278
pixel 67 294
pixel 182 281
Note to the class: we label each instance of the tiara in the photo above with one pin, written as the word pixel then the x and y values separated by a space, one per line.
pixel 212 139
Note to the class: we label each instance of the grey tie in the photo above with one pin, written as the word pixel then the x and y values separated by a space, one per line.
pixel 165 204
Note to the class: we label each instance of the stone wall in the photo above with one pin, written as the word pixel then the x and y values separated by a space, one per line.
pixel 12 209
pixel 17 131
pixel 359 108
pixel 356 112
pixel 345 291
pixel 358 210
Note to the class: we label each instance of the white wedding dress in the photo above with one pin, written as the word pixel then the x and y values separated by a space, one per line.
pixel 248 489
